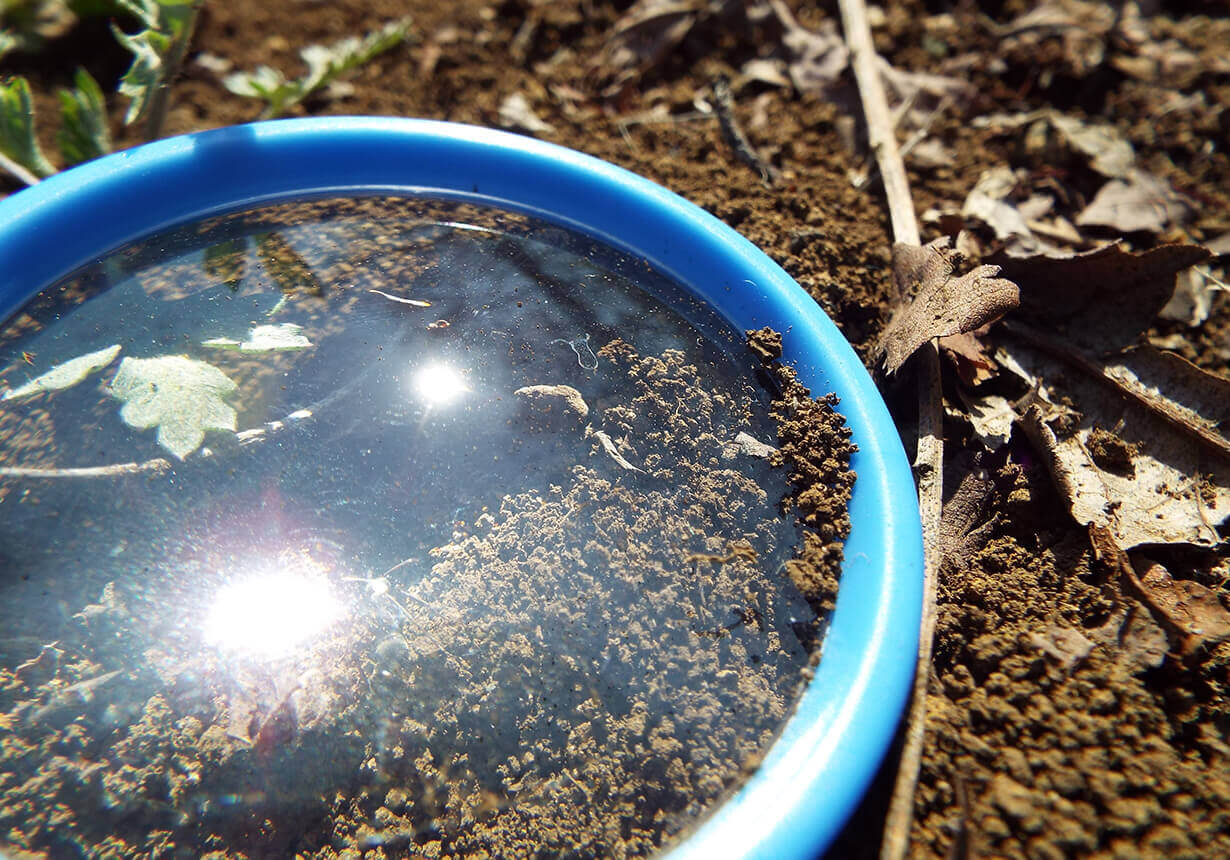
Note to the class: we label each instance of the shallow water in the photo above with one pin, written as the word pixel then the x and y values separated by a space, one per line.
pixel 313 581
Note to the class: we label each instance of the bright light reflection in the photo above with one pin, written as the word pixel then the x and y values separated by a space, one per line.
pixel 269 614
pixel 439 384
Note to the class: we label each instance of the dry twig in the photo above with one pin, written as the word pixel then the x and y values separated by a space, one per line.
pixel 929 458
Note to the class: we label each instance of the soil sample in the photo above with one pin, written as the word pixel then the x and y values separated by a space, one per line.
pixel 416 530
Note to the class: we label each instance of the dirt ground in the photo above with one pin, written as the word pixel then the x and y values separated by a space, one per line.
pixel 1115 746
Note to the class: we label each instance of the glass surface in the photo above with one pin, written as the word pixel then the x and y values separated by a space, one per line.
pixel 382 523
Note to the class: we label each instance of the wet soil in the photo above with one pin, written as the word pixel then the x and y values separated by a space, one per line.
pixel 1121 753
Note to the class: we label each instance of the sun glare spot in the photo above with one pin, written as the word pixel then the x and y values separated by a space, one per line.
pixel 270 614
pixel 439 384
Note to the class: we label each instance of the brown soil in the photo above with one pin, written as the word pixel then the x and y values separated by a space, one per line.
pixel 1123 752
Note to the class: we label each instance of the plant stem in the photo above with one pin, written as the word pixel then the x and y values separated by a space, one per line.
pixel 174 62
pixel 929 458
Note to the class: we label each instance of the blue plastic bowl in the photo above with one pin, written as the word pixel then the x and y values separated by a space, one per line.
pixel 816 772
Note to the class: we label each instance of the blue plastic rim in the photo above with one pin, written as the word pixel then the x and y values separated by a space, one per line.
pixel 828 752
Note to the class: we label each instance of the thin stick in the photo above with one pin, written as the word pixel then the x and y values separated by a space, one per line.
pixel 15 170
pixel 929 459
pixel 879 121
pixel 113 470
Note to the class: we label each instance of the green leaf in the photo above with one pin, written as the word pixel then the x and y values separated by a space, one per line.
pixel 325 65
pixel 65 375
pixel 17 140
pixel 180 396
pixel 7 42
pixel 144 76
pixel 163 22
pixel 83 112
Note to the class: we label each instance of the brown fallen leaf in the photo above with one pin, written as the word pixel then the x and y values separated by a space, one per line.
pixel 644 35
pixel 969 357
pixel 1139 202
pixel 1100 300
pixel 941 304
pixel 964 525
pixel 1100 146
pixel 816 60
pixel 1191 612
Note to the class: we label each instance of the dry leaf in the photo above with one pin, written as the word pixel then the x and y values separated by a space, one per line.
pixel 1193 293
pixel 1140 202
pixel 547 397
pixel 1134 635
pixel 1101 300
pixel 1192 608
pixel 1101 146
pixel 1136 482
pixel 992 418
pixel 282 337
pixel 931 154
pixel 646 33
pixel 988 202
pixel 964 527
pixel 816 60
pixel 1188 609
pixel 1107 150
pixel 516 114
pixel 973 364
pixel 941 304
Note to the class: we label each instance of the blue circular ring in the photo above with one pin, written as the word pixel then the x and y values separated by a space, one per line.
pixel 829 750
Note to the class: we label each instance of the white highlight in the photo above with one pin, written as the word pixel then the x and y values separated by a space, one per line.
pixel 269 614
pixel 439 384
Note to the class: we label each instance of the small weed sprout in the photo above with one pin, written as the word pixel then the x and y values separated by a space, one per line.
pixel 325 65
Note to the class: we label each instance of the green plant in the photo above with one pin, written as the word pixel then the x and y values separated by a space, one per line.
pixel 158 49
pixel 83 133
pixel 325 65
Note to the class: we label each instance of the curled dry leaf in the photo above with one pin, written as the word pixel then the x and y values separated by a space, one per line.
pixel 1190 611
pixel 1138 202
pixel 992 418
pixel 941 303
pixel 1100 300
pixel 611 449
pixel 970 358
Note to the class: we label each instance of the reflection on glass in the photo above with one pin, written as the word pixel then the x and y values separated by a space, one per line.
pixel 267 614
